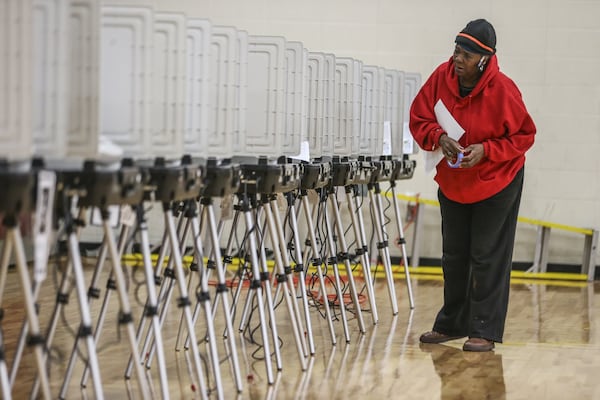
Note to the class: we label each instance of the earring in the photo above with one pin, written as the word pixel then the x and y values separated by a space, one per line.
pixel 481 64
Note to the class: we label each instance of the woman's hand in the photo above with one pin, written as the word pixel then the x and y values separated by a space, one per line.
pixel 450 147
pixel 473 155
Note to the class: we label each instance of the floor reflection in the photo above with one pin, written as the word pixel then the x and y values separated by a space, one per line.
pixel 550 351
pixel 467 375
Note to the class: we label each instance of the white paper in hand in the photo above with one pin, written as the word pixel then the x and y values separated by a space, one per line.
pixel 450 126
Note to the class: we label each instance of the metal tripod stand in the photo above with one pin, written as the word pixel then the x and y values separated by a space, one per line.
pixel 94 292
pixel 382 169
pixel 220 181
pixel 299 269
pixel 403 169
pixel 314 254
pixel 350 174
pixel 123 186
pixel 67 200
pixel 171 184
pixel 18 181
pixel 261 183
pixel 259 286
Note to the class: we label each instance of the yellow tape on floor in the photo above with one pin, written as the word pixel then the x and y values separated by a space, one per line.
pixel 424 272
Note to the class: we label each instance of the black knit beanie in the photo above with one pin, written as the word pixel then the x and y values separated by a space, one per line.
pixel 478 37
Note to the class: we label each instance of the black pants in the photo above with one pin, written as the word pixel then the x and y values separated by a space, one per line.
pixel 478 242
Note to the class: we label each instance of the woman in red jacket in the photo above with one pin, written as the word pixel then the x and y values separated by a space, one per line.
pixel 480 178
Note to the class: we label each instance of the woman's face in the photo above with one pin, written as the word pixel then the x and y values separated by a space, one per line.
pixel 466 65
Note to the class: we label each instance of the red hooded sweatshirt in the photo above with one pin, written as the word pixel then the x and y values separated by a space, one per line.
pixel 493 114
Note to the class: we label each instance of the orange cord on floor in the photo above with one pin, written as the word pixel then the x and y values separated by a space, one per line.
pixel 315 294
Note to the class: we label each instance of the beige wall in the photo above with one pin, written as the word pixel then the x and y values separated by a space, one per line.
pixel 549 47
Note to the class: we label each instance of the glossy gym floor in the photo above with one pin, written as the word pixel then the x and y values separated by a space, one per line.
pixel 551 350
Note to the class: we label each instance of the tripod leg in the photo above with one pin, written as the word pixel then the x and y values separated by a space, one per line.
pixel 7 248
pixel 261 251
pixel 402 241
pixel 260 248
pixel 361 250
pixel 344 251
pixel 279 227
pixel 332 261
pixel 204 300
pixel 165 289
pixel 125 317
pixel 198 266
pixel 268 292
pixel 257 289
pixel 62 297
pixel 162 253
pixel 110 286
pixel 151 308
pixel 184 300
pixel 165 292
pixel 299 269
pixel 215 259
pixel 85 329
pixel 285 275
pixel 246 309
pixel 386 249
pixel 227 259
pixel 181 241
pixel 209 247
pixel 23 337
pixel 222 294
pixel 5 386
pixel 164 248
pixel 194 267
pixel 317 261
pixel 35 338
pixel 382 245
pixel 5 383
pixel 361 224
pixel 158 281
pixel 307 248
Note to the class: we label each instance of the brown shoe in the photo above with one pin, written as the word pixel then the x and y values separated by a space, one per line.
pixel 478 344
pixel 436 337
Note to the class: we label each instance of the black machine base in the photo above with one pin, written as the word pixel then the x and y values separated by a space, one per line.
pixel 105 185
pixel 175 182
pixel 221 178
pixel 350 172
pixel 403 169
pixel 267 178
pixel 17 181
pixel 316 175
